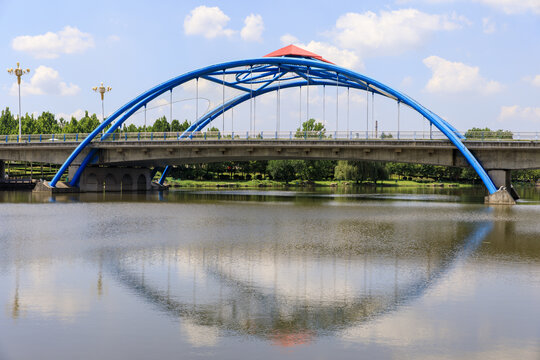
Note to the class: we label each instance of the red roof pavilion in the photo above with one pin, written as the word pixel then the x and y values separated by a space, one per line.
pixel 295 51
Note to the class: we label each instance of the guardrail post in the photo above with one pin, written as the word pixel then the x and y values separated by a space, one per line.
pixel 112 136
pixel 261 135
pixel 138 136
pixel 205 135
pixel 232 135
pixel 77 137
pixel 482 136
pixel 247 135
pixel 335 134
pixel 218 135
pixel 518 137
pixel 125 136
pixel 152 136
pixel 177 136
pixel 52 137
pixel 29 138
pixel 320 135
pixel 39 137
pixel 276 135
pixel 366 135
pixel 305 135
pixel 414 135
pixel 64 137
pixel 17 138
pixel 290 135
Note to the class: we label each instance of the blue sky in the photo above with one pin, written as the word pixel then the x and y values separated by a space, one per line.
pixel 476 63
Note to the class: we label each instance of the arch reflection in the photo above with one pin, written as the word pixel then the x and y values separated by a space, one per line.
pixel 284 292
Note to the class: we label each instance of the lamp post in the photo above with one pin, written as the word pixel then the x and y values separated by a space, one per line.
pixel 102 90
pixel 18 72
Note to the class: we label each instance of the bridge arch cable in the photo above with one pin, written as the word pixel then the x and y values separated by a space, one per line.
pixel 261 78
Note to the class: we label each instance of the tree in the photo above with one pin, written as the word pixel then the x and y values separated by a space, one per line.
pixel 161 125
pixel 345 171
pixel 360 171
pixel 487 134
pixel 131 128
pixel 310 127
pixel 8 123
pixel 314 169
pixel 179 127
pixel 87 124
pixel 282 170
pixel 47 124
pixel 70 127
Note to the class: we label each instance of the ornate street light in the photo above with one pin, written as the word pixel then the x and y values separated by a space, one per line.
pixel 102 90
pixel 18 72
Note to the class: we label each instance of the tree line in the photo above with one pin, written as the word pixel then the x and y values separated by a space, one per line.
pixel 47 123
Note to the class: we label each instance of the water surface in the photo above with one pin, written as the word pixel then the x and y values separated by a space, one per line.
pixel 386 273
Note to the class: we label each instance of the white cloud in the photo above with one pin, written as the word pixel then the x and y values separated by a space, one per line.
pixel 253 28
pixel 514 6
pixel 342 57
pixel 535 81
pixel 488 26
pixel 45 81
pixel 407 82
pixel 77 114
pixel 161 106
pixel 345 58
pixel 113 39
pixel 209 22
pixel 506 6
pixel 453 77
pixel 50 45
pixel 289 39
pixel 390 32
pixel 517 112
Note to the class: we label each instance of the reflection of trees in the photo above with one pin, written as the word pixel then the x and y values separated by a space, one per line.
pixel 256 308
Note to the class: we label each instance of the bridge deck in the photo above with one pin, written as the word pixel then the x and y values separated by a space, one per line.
pixel 493 154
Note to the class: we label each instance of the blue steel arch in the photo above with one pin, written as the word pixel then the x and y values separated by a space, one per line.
pixel 263 72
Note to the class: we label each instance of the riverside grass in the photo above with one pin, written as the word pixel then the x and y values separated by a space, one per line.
pixel 300 183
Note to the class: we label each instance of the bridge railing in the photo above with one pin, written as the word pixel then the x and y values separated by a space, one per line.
pixel 43 138
pixel 485 136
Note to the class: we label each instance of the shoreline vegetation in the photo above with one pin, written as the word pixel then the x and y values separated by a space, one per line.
pixel 251 184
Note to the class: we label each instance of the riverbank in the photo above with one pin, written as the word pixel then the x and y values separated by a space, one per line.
pixel 297 183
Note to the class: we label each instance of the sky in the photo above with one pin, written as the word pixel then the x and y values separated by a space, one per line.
pixel 476 62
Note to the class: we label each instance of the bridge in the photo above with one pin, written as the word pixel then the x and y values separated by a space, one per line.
pixel 289 67
pixel 150 150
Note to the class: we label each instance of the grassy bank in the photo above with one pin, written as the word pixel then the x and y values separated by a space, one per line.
pixel 298 183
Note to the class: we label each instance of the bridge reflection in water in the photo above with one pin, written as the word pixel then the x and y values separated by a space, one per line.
pixel 286 292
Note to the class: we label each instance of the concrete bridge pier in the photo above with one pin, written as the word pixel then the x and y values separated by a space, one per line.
pixel 98 179
pixel 506 195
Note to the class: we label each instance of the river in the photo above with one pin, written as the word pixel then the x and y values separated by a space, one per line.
pixel 392 273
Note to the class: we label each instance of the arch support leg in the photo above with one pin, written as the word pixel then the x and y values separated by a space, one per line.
pixel 506 195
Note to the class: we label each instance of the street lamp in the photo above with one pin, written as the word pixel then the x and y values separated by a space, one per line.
pixel 18 72
pixel 102 90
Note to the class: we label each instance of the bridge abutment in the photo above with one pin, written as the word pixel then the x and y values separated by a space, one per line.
pixel 109 179
pixel 98 179
pixel 506 195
